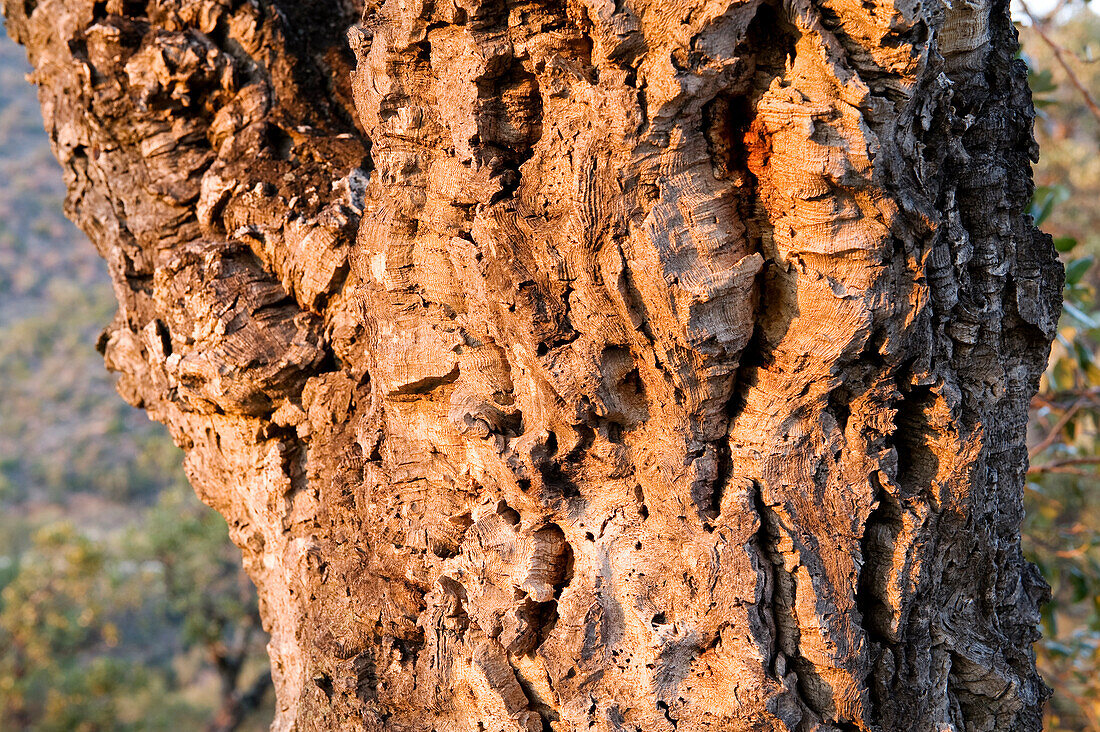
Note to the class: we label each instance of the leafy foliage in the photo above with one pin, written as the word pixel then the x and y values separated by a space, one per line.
pixel 117 635
pixel 57 627
pixel 1062 528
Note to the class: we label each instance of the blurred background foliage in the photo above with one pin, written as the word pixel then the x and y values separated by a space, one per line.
pixel 1061 43
pixel 122 602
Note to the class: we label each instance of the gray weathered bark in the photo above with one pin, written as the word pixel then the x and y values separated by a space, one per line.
pixel 567 365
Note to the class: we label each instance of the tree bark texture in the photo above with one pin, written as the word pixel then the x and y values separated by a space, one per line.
pixel 584 365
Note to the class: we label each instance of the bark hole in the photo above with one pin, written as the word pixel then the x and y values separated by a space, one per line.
pixel 918 463
pixel 508 513
pixel 877 548
pixel 510 119
pixel 556 482
pixel 840 407
pixel 280 142
pixel 663 706
pixel 643 509
pixel 366 677
pixel 726 121
pixel 324 683
pixel 771 39
pixel 625 399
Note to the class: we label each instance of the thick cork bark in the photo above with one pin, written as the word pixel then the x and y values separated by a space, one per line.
pixel 584 365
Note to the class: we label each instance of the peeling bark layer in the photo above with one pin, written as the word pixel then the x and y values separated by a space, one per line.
pixel 569 364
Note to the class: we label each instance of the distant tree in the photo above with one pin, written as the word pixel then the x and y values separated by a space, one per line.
pixel 212 600
pixel 81 646
pixel 54 625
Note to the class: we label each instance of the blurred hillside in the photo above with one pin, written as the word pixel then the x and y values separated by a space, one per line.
pixel 59 434
pixel 122 605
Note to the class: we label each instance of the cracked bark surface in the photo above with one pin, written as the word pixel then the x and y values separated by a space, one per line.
pixel 571 364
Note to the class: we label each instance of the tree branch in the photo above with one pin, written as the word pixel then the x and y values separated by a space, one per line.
pixel 1056 430
pixel 1060 52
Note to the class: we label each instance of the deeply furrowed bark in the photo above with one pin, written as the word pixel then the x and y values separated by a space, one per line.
pixel 567 365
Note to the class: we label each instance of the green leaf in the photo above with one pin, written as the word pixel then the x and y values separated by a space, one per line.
pixel 1041 210
pixel 1064 373
pixel 1065 243
pixel 1050 623
pixel 1044 200
pixel 1084 356
pixel 1079 584
pixel 1076 269
pixel 1041 81
pixel 1079 315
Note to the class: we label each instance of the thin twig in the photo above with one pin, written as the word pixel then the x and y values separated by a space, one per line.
pixel 1066 467
pixel 1073 461
pixel 1040 469
pixel 1054 11
pixel 1059 54
pixel 1056 430
pixel 1059 398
